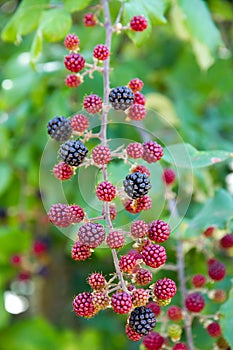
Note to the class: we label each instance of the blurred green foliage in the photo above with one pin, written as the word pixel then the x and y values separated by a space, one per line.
pixel 185 61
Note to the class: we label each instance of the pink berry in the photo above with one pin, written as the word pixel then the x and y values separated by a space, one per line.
pixel 214 329
pixel 198 281
pixel 143 277
pixel 96 281
pixel 154 255
pixel 217 270
pixel 136 85
pixel 195 302
pixel 24 276
pixel 74 62
pixel 154 307
pixel 63 171
pixel 71 42
pixel 39 247
pixel 134 150
pixel 121 302
pixel 89 20
pixel 101 52
pixel 127 263
pixel 165 288
pixel 174 313
pixel 91 234
pixel 139 297
pixel 79 123
pixel 138 23
pixel 76 214
pixel 115 240
pixel 135 206
pixel 168 176
pixel 153 341
pixel 141 169
pixel 93 104
pixel 139 99
pixel 16 260
pixel 139 229
pixel 101 300
pixel 101 155
pixel 73 80
pixel 135 253
pixel 83 305
pixel 137 112
pixel 105 191
pixel 131 334
pixel 226 241
pixel 209 231
pixel 80 251
pixel 59 215
pixel 179 346
pixel 152 151
pixel 159 231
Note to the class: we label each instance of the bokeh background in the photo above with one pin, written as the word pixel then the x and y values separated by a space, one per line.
pixel 187 72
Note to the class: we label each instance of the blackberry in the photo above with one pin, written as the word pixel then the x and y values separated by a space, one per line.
pixel 136 185
pixel 73 152
pixel 142 320
pixel 121 97
pixel 59 128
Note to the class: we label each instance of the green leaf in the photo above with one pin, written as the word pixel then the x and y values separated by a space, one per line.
pixel 5 176
pixel 202 32
pixel 74 5
pixel 24 21
pixel 216 211
pixel 55 24
pixel 226 311
pixel 36 47
pixel 184 155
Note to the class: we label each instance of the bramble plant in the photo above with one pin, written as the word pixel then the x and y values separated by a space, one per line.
pixel 172 277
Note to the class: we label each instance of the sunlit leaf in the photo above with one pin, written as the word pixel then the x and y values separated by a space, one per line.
pixel 74 5
pixel 55 24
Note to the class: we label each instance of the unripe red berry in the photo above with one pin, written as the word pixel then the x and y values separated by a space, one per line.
pixel 168 176
pixel 105 191
pixel 39 247
pixel 16 259
pixel 74 62
pixel 214 329
pixel 174 313
pixel 59 215
pixel 141 169
pixel 91 234
pixel 159 231
pixel 179 346
pixel 127 263
pixel 112 212
pixel 76 214
pixel 24 276
pixel 101 300
pixel 154 255
pixel 135 206
pixel 153 341
pixel 71 42
pixel 226 241
pixel 135 253
pixel 101 155
pixel 121 302
pixel 101 52
pixel 143 277
pixel 139 297
pixel 96 281
pixel 93 104
pixel 73 80
pixel 136 85
pixel 134 150
pixel 138 23
pixel 80 251
pixel 139 229
pixel 209 231
pixel 217 270
pixel 83 305
pixel 195 302
pixel 131 334
pixel 79 123
pixel 89 20
pixel 63 171
pixel 154 307
pixel 165 288
pixel 152 151
pixel 139 99
pixel 198 281
pixel 137 112
pixel 115 240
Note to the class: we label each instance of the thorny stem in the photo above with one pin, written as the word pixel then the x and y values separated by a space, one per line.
pixel 103 131
pixel 181 274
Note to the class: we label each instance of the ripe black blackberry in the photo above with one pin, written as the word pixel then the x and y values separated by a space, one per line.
pixel 73 152
pixel 142 320
pixel 121 97
pixel 136 185
pixel 59 128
